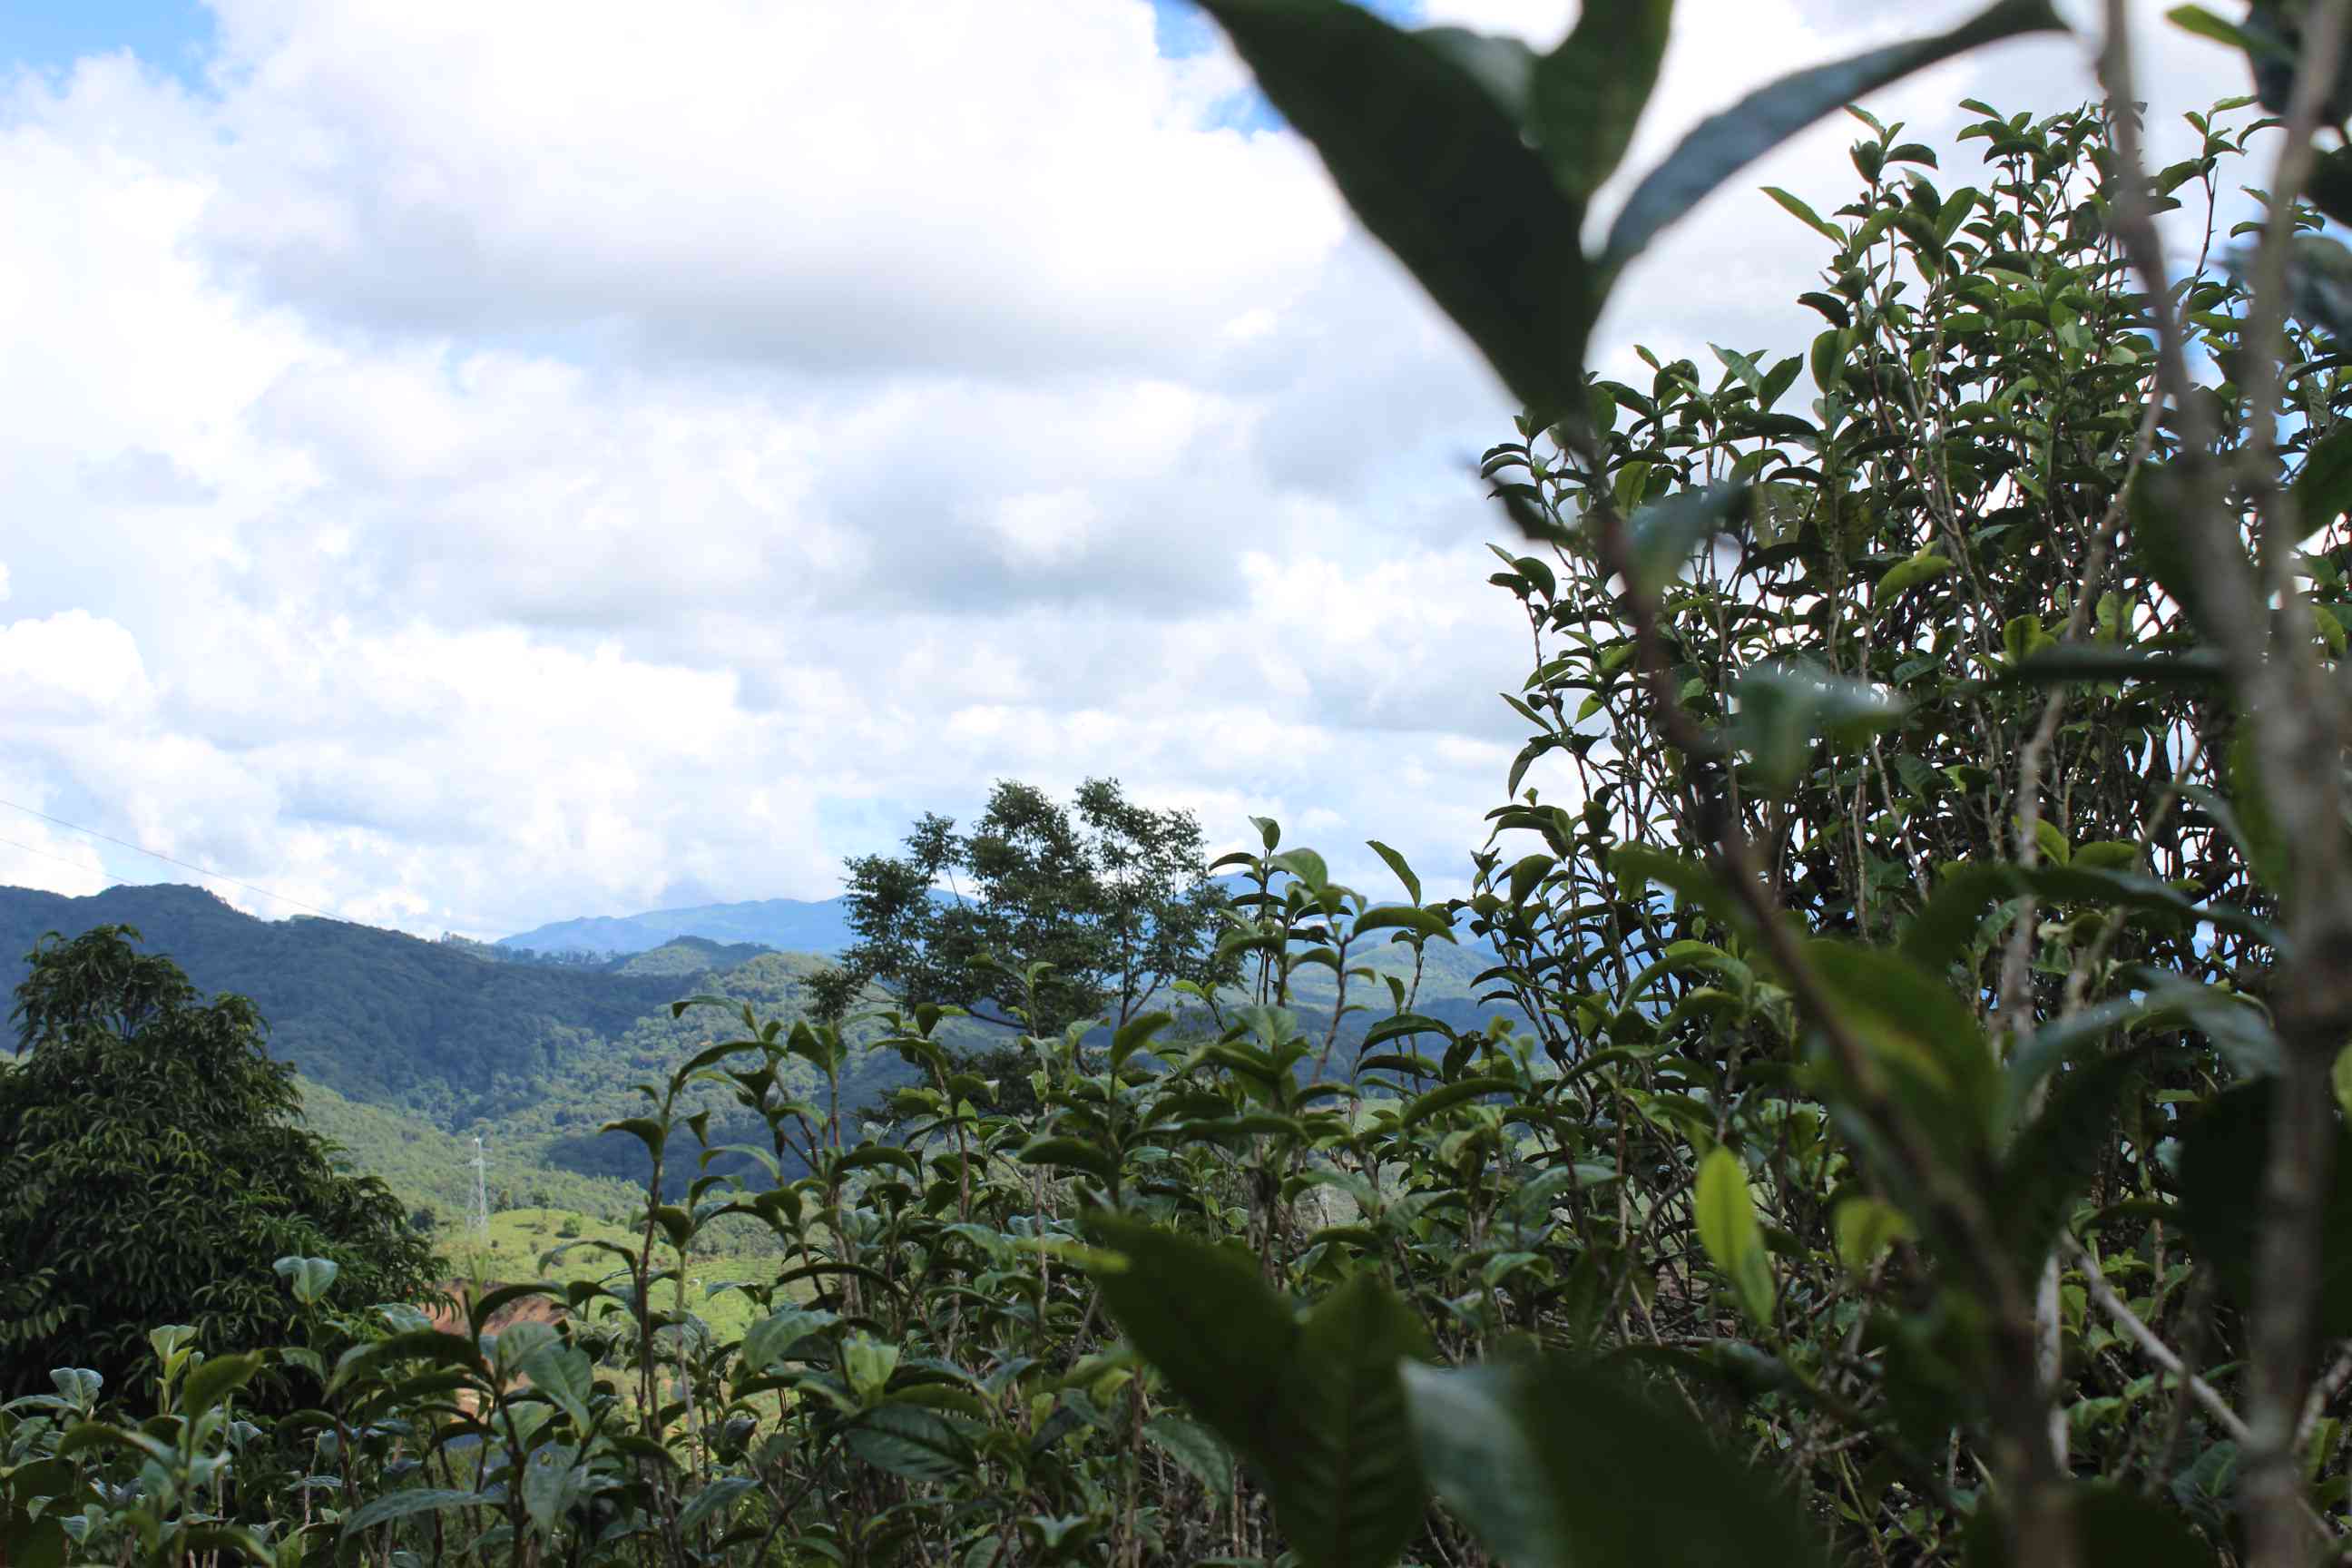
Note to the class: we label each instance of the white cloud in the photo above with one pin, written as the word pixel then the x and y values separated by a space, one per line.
pixel 70 669
pixel 487 464
pixel 1013 187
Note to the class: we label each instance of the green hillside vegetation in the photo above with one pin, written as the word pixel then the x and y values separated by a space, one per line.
pixel 380 1018
pixel 689 955
pixel 431 1169
pixel 408 1049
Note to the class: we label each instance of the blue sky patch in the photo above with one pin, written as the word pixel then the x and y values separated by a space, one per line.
pixel 1184 29
pixel 48 35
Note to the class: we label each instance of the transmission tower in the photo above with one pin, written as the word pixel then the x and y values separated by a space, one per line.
pixel 481 1219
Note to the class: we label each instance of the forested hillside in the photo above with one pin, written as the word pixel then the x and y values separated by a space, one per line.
pixel 409 1048
pixel 383 1018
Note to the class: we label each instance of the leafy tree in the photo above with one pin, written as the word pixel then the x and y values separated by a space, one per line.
pixel 152 1171
pixel 1111 896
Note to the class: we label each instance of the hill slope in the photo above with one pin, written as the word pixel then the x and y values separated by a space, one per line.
pixel 409 1047
pixel 792 925
pixel 380 1018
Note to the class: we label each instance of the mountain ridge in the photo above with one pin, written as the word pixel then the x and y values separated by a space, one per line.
pixel 788 925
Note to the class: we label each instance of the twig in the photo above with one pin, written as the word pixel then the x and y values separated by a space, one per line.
pixel 2094 1284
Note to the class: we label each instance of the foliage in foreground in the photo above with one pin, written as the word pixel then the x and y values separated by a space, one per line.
pixel 1927 1151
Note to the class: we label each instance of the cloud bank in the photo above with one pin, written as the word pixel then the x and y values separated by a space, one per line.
pixel 472 465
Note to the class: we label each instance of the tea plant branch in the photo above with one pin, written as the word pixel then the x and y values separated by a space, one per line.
pixel 2103 1295
pixel 2016 976
pixel 2324 1392
pixel 2297 732
pixel 2041 1516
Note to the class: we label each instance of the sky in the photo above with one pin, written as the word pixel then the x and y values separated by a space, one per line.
pixel 464 466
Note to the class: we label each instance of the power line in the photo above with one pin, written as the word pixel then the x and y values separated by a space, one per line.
pixel 47 856
pixel 168 860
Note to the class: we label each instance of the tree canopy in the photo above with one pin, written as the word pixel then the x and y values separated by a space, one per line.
pixel 1111 898
pixel 153 1171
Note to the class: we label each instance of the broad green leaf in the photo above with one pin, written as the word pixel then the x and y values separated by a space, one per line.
pixel 2322 490
pixel 1396 863
pixel 1071 1154
pixel 566 1376
pixel 1200 1314
pixel 2068 662
pixel 1405 917
pixel 1440 173
pixel 866 1156
pixel 910 1441
pixel 645 1129
pixel 2057 1155
pixel 481 1308
pixel 1923 567
pixel 1346 1478
pixel 717 1497
pixel 2223 1152
pixel 1728 1230
pixel 1135 1035
pixel 1924 1037
pixel 402 1504
pixel 1636 866
pixel 1945 926
pixel 2107 855
pixel 1444 1099
pixel 2320 282
pixel 1723 143
pixel 551 1481
pixel 867 1363
pixel 213 1383
pixel 84 1436
pixel 78 1386
pixel 1785 706
pixel 309 1276
pixel 1403 1024
pixel 2330 186
pixel 765 1343
pixel 1195 1448
pixel 454 1350
pixel 1864 1228
pixel 1943 929
pixel 2197 20
pixel 2158 513
pixel 1554 1465
pixel 1662 535
pixel 516 1343
pixel 1805 215
pixel 2267 851
pixel 1306 866
pixel 1587 95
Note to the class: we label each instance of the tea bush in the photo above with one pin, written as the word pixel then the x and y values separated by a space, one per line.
pixel 1924 1143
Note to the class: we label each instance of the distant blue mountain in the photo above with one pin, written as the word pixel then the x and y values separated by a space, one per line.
pixel 790 925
